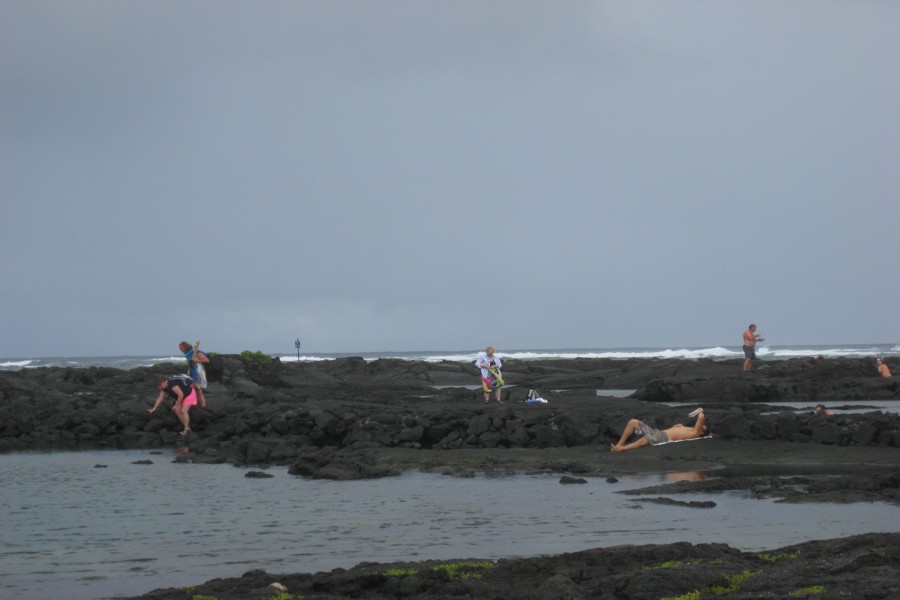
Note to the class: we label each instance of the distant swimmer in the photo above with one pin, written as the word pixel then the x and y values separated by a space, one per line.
pixel 821 410
pixel 491 378
pixel 750 339
pixel 650 436
pixel 882 368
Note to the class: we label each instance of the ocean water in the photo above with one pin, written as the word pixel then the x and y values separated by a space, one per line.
pixel 718 352
pixel 89 525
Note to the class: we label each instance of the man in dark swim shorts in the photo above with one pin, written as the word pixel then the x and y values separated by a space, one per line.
pixel 650 436
pixel 750 339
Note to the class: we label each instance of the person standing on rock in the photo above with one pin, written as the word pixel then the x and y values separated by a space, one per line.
pixel 185 397
pixel 883 369
pixel 750 339
pixel 654 437
pixel 196 369
pixel 491 379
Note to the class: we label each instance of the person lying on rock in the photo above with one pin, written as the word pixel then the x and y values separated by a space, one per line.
pixel 185 397
pixel 654 437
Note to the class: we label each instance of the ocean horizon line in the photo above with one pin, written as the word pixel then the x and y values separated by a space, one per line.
pixel 686 352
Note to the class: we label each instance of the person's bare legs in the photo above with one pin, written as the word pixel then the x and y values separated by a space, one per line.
pixel 638 443
pixel 181 411
pixel 200 397
pixel 496 393
pixel 629 431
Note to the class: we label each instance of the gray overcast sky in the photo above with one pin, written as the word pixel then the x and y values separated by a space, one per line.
pixel 433 175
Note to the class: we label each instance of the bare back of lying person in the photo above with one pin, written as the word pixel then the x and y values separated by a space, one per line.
pixel 650 436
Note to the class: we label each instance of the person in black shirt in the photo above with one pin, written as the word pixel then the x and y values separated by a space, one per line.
pixel 185 397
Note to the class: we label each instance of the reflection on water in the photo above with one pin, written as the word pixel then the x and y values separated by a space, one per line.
pixel 685 476
pixel 615 393
pixel 74 530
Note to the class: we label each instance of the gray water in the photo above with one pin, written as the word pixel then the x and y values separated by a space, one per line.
pixel 840 407
pixel 72 530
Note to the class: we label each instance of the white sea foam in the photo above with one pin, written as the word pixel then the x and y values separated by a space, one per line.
pixel 827 352
pixel 14 364
pixel 713 353
pixel 303 358
pixel 687 353
pixel 166 359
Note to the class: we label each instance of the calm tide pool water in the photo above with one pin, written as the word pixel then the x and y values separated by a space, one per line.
pixel 840 407
pixel 72 529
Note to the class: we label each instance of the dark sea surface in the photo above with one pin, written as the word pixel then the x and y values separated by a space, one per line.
pixel 74 529
pixel 717 352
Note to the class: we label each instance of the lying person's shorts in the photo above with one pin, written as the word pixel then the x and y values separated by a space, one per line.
pixel 654 436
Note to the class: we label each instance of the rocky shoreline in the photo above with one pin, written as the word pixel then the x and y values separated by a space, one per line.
pixel 349 418
pixel 864 566
pixel 353 419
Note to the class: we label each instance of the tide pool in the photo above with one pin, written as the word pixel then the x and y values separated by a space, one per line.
pixel 87 525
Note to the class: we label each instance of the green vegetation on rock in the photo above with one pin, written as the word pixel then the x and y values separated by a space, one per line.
pixel 255 356
pixel 732 584
pixel 467 569
pixel 809 591
pixel 399 572
pixel 776 557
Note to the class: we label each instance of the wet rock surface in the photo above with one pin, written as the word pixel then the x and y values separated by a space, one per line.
pixel 349 410
pixel 864 566
pixel 353 419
